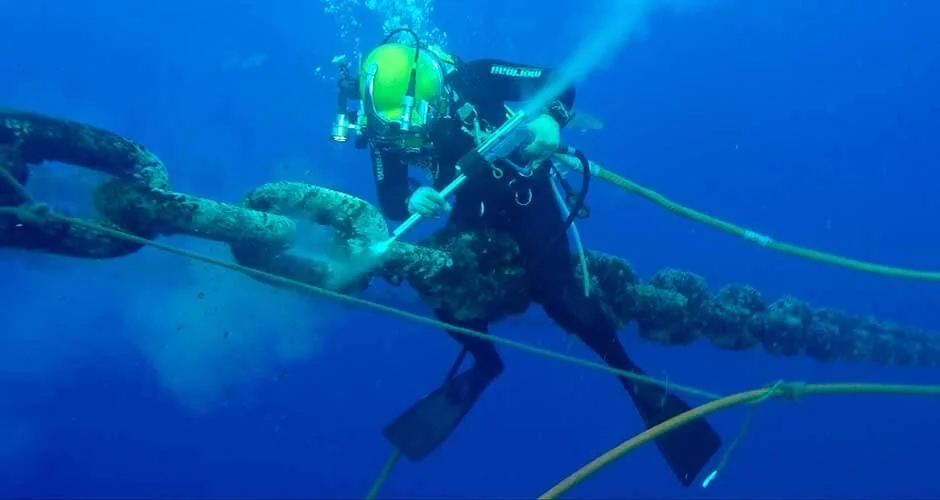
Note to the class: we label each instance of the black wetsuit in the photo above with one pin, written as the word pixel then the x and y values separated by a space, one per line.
pixel 488 85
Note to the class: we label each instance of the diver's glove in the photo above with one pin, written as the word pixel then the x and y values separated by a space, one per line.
pixel 546 138
pixel 427 202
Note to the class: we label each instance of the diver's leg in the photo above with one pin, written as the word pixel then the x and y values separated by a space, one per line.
pixel 486 361
pixel 555 286
pixel 427 424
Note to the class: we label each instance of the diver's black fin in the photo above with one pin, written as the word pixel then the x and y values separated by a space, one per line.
pixel 427 424
pixel 686 449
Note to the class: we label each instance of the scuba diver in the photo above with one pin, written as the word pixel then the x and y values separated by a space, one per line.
pixel 422 107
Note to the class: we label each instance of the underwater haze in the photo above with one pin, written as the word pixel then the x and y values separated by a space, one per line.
pixel 152 375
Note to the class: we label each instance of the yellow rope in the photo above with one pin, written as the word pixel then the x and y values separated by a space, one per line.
pixel 783 390
pixel 383 475
pixel 752 236
pixel 375 306
pixel 806 253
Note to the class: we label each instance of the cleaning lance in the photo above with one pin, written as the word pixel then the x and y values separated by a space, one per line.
pixel 499 145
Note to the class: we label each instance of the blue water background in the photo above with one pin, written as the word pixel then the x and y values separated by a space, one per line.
pixel 813 122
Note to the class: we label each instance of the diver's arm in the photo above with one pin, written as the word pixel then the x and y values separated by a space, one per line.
pixel 487 79
pixel 391 182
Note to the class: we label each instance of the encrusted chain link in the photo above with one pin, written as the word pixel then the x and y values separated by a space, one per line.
pixel 470 275
pixel 138 199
